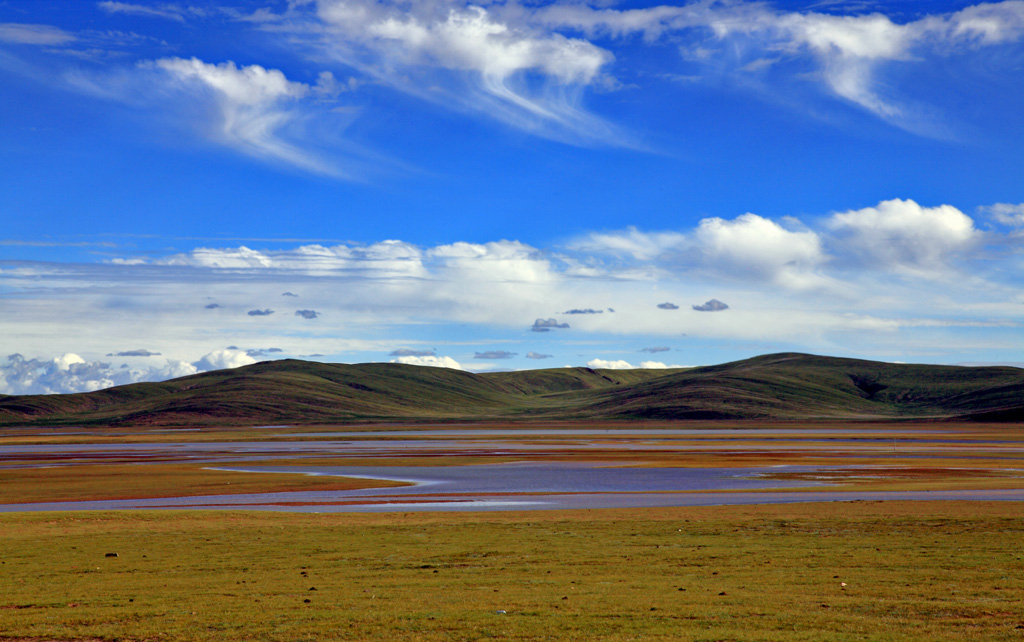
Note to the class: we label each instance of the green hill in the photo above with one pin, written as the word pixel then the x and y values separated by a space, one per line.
pixel 780 386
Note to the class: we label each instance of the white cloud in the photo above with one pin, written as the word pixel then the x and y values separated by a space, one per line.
pixel 254 105
pixel 222 359
pixel 985 23
pixel 850 50
pixel 643 246
pixel 472 39
pixel 1005 213
pixel 754 247
pixel 501 261
pixel 31 34
pixel 168 12
pixel 372 298
pixel 901 233
pixel 748 247
pixel 69 373
pixel 386 258
pixel 602 364
pixel 657 365
pixel 491 59
pixel 433 361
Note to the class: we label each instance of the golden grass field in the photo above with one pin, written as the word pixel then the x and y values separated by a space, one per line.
pixel 912 571
pixel 885 571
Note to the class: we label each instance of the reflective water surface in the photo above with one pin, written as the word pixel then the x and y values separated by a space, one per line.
pixel 552 468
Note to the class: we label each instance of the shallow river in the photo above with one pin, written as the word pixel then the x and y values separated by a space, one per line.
pixel 524 486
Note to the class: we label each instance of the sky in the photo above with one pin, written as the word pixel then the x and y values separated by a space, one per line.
pixel 187 186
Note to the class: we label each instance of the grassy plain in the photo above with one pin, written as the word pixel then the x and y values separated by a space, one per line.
pixel 843 571
pixel 912 571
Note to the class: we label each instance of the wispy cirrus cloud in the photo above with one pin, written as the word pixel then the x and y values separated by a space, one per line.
pixel 1006 213
pixel 34 34
pixel 254 108
pixel 491 60
pixel 849 51
pixel 165 11
pixel 532 66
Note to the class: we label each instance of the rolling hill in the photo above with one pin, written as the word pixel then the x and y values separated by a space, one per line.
pixel 780 386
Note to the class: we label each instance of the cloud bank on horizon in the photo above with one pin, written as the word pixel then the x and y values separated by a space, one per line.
pixel 945 279
pixel 838 178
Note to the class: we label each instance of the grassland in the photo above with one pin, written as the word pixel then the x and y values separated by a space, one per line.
pixel 842 571
pixel 850 571
pixel 776 387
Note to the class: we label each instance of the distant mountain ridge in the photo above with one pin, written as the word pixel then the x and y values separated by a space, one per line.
pixel 788 386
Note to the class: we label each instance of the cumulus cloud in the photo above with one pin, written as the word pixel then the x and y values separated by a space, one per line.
pixel 583 311
pixel 260 313
pixel 545 325
pixel 901 233
pixel 755 247
pixel 668 306
pixel 602 364
pixel 657 365
pixel 433 361
pixel 70 373
pixel 224 359
pixel 745 248
pixel 391 289
pixel 307 314
pixel 713 305
pixel 495 354
pixel 538 355
pixel 134 353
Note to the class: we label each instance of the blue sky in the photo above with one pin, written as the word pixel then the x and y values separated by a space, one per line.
pixel 187 186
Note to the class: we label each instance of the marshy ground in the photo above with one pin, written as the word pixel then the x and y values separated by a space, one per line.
pixel 845 570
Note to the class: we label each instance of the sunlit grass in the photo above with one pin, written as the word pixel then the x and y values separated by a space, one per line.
pixel 912 571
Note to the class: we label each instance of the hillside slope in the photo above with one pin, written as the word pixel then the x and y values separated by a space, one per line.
pixel 799 386
pixel 781 386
